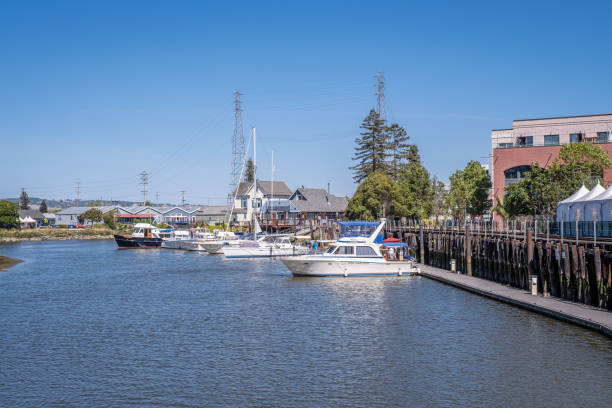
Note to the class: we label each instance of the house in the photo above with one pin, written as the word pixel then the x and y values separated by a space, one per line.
pixel 128 215
pixel 185 215
pixel 250 197
pixel 304 205
pixel 70 216
pixel 49 218
pixel 30 218
pixel 212 214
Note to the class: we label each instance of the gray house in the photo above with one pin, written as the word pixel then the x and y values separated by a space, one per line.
pixel 70 216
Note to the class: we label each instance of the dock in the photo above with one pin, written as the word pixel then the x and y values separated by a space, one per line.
pixel 580 314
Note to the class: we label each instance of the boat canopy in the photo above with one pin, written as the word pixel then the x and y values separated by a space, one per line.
pixel 394 244
pixel 392 239
pixel 357 228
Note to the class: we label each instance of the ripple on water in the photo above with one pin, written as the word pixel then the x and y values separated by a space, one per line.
pixel 84 324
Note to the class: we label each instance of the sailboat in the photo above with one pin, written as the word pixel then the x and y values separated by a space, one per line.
pixel 270 246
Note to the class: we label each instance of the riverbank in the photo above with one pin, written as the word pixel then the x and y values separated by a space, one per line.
pixel 52 234
pixel 6 262
pixel 586 316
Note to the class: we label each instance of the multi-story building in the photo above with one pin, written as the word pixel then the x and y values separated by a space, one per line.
pixel 251 197
pixel 538 141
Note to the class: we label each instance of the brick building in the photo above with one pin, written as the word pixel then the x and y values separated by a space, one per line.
pixel 539 141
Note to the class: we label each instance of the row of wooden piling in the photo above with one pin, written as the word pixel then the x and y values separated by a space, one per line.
pixel 573 272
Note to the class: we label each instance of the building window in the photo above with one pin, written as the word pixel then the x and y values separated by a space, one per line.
pixel 576 137
pixel 524 141
pixel 505 145
pixel 515 174
pixel 602 137
pixel 551 140
pixel 243 203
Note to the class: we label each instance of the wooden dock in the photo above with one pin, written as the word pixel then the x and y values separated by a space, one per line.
pixel 583 315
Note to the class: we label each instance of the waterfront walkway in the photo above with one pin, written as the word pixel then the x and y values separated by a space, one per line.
pixel 580 314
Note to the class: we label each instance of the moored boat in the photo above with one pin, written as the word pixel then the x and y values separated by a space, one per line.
pixel 178 240
pixel 352 255
pixel 144 236
pixel 265 247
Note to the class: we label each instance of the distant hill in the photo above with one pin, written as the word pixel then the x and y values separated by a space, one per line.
pixel 66 203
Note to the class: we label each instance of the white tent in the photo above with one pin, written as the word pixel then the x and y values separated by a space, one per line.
pixel 577 208
pixel 600 205
pixel 564 206
pixel 27 222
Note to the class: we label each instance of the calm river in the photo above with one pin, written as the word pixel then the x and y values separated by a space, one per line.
pixel 84 324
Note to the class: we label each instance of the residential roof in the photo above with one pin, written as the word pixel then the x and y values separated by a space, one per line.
pixel 35 214
pixel 317 200
pixel 80 210
pixel 213 210
pixel 280 188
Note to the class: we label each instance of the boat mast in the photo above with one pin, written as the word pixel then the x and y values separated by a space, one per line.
pixel 254 180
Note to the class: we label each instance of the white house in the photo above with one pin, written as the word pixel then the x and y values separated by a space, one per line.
pixel 250 197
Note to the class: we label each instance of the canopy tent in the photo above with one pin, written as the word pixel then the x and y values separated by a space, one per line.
pixel 577 207
pixel 601 206
pixel 563 206
pixel 27 222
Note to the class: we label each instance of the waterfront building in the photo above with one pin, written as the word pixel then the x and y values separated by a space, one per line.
pixel 70 216
pixel 532 141
pixel 251 197
pixel 212 214
pixel 30 218
pixel 303 206
pixel 49 218
pixel 135 214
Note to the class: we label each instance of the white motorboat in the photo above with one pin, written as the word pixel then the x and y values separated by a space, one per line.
pixel 177 240
pixel 354 254
pixel 265 247
pixel 198 241
pixel 220 240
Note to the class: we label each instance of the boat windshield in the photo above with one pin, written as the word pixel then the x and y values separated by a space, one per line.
pixel 331 249
pixel 357 229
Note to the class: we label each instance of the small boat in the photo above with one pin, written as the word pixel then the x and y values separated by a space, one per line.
pixel 144 236
pixel 198 241
pixel 177 240
pixel 359 252
pixel 268 246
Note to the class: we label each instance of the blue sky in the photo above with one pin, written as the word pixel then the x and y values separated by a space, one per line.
pixel 96 92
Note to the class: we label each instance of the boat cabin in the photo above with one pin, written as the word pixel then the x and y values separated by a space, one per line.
pixel 142 230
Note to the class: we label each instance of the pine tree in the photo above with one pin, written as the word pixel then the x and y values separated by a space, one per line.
pixel 250 172
pixel 400 152
pixel 371 150
pixel 43 207
pixel 24 201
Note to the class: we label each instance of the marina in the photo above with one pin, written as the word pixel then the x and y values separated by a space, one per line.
pixel 157 326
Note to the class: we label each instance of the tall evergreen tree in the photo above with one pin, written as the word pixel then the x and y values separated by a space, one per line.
pixel 400 151
pixel 24 201
pixel 371 151
pixel 43 207
pixel 250 172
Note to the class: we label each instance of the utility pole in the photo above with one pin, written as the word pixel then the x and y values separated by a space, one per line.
pixel 77 187
pixel 237 146
pixel 182 198
pixel 144 180
pixel 380 96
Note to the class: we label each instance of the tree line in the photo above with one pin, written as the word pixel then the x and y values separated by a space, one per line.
pixel 394 183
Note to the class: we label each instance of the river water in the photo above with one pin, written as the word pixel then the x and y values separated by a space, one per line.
pixel 85 324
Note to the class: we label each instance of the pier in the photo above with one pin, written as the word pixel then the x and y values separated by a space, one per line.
pixel 574 277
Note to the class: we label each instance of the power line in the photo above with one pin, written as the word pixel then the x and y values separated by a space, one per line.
pixel 380 96
pixel 144 180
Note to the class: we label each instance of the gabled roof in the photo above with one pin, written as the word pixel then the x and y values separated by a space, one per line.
pixel 317 200
pixel 35 214
pixel 213 210
pixel 280 188
pixel 81 210
pixel 243 188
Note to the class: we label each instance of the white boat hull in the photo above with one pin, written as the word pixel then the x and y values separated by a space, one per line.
pixel 174 244
pixel 261 252
pixel 324 266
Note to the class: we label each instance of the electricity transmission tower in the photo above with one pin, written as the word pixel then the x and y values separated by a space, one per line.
pixel 237 145
pixel 157 198
pixel 144 180
pixel 182 198
pixel 380 96
pixel 77 187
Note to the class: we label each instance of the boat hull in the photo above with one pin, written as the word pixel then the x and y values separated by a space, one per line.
pixel 127 242
pixel 174 243
pixel 260 252
pixel 319 266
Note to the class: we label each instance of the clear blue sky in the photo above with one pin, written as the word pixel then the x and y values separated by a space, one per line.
pixel 96 92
